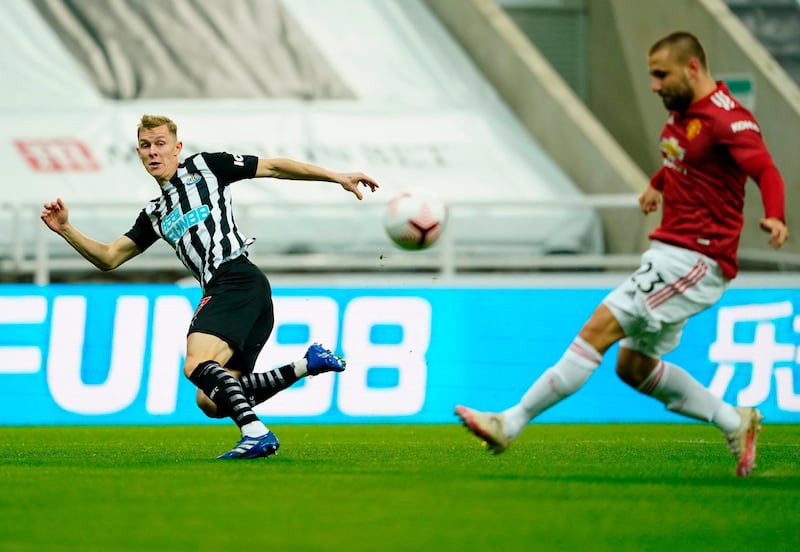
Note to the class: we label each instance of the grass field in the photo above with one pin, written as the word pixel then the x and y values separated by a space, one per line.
pixel 418 488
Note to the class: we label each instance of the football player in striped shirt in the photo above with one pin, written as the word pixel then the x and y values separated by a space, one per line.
pixel 193 213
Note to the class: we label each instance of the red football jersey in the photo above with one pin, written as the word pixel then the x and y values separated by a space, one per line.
pixel 703 179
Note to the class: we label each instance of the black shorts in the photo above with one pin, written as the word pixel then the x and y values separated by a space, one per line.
pixel 237 307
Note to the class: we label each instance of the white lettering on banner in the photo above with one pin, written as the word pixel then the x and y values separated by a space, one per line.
pixel 128 346
pixel 413 315
pixel 171 318
pixel 66 355
pixel 315 395
pixel 20 359
pixel 763 353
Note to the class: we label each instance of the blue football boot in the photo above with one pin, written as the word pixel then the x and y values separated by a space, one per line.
pixel 253 447
pixel 321 360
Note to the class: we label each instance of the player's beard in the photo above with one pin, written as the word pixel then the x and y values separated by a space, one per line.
pixel 678 98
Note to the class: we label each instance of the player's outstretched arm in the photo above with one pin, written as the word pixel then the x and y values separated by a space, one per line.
pixel 350 182
pixel 105 256
pixel 289 169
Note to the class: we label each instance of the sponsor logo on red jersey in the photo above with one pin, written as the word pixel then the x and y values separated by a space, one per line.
pixel 672 149
pixel 738 126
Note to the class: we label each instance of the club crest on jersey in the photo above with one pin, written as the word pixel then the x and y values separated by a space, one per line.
pixel 693 129
pixel 672 149
pixel 191 179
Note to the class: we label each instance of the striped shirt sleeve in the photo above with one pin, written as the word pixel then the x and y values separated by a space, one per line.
pixel 142 232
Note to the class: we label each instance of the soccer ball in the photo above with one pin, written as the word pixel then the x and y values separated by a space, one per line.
pixel 415 220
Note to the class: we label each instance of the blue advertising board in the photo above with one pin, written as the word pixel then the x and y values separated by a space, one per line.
pixel 113 354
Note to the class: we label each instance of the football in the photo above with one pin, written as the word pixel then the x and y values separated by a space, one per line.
pixel 414 220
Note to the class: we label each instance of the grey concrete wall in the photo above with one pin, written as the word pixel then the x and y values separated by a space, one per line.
pixel 550 111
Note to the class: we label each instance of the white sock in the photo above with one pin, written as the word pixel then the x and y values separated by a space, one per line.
pixel 300 368
pixel 681 393
pixel 557 382
pixel 254 429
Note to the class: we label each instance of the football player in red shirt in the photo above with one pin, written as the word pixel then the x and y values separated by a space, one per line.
pixel 710 145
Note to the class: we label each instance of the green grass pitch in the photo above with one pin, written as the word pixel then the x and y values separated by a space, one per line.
pixel 396 487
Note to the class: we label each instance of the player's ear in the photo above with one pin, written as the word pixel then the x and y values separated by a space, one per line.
pixel 693 67
pixel 178 146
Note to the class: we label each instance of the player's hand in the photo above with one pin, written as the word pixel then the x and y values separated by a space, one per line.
pixel 55 215
pixel 649 200
pixel 350 182
pixel 778 232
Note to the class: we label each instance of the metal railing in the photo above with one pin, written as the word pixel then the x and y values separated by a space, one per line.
pixel 29 250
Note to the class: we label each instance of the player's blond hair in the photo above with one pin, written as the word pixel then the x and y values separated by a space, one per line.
pixel 154 121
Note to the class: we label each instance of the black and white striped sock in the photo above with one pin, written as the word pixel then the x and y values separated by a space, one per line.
pixel 226 392
pixel 258 387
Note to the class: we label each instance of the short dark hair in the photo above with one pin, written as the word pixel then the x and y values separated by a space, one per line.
pixel 682 46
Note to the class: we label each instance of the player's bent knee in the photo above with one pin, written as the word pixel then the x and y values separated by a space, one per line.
pixel 634 367
pixel 208 406
pixel 627 376
pixel 191 364
pixel 188 368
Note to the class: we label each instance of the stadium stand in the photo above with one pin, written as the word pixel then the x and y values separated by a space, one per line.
pixel 444 95
pixel 372 85
pixel 776 24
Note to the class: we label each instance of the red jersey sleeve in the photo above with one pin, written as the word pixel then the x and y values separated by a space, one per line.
pixel 742 136
pixel 761 169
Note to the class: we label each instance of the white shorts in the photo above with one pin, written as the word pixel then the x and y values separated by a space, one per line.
pixel 653 305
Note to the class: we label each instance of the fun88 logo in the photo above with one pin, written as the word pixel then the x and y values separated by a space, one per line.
pixel 176 223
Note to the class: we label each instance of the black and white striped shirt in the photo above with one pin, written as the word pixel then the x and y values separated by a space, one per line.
pixel 194 213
